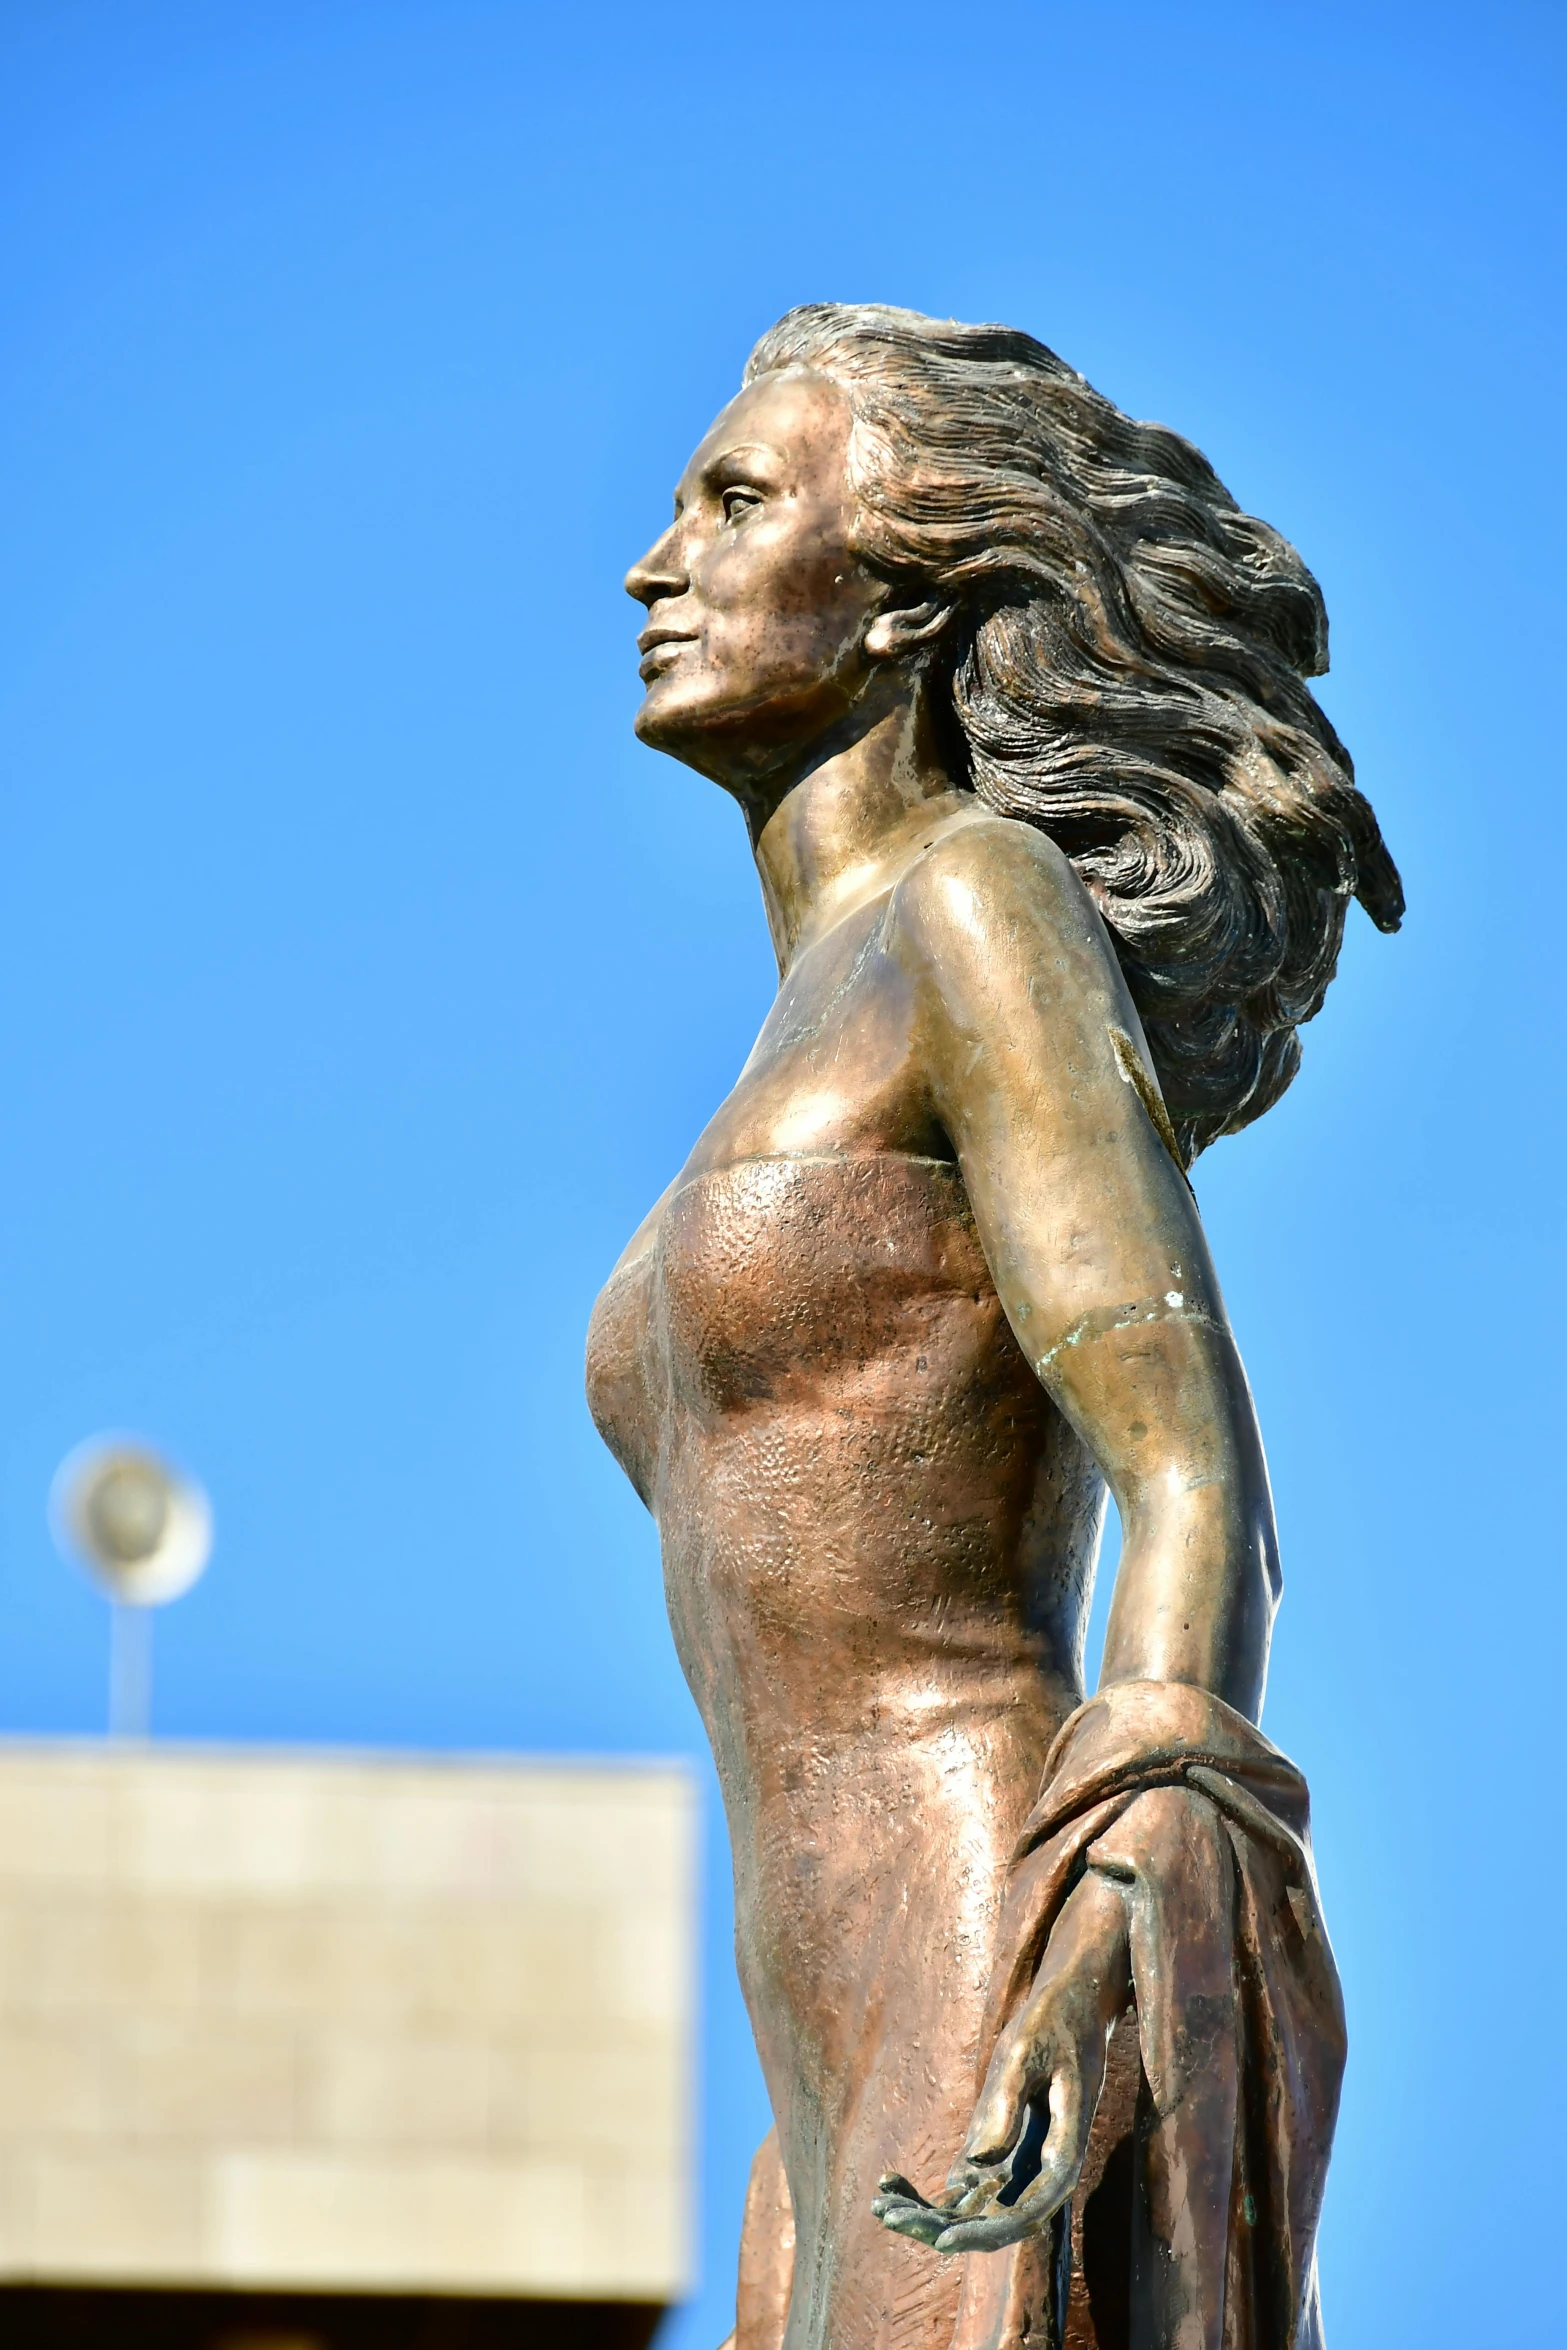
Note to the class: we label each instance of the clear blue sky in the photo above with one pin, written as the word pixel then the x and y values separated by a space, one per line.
pixel 364 981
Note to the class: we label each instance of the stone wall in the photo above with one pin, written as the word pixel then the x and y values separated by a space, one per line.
pixel 353 2024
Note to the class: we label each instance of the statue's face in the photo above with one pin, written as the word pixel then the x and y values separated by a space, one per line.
pixel 757 611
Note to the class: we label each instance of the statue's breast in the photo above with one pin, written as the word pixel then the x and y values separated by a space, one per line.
pixel 794 1280
pixel 622 1383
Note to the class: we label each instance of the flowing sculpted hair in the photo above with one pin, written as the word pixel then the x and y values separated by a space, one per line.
pixel 1125 667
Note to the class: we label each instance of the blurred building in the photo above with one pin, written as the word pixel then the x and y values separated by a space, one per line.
pixel 301 2053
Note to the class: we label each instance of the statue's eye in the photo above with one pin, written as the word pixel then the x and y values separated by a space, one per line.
pixel 737 502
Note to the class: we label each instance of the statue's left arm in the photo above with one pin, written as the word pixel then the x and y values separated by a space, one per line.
pixel 1039 1073
pixel 1166 1821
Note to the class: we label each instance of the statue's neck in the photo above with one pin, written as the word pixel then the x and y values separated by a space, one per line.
pixel 835 837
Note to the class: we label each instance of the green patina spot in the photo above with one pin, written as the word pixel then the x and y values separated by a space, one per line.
pixel 1130 1063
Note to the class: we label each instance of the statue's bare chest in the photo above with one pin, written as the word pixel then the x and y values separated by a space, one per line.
pixel 836 1068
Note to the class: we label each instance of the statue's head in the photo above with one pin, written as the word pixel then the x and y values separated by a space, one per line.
pixel 768 633
pixel 1110 649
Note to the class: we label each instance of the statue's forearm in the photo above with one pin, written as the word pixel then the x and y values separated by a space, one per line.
pixel 1164 1405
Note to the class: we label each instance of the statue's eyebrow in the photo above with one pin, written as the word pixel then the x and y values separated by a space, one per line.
pixel 724 459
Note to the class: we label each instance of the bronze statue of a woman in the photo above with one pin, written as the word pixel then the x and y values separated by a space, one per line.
pixel 1056 849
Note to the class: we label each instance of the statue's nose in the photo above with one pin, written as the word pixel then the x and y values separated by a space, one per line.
pixel 661 571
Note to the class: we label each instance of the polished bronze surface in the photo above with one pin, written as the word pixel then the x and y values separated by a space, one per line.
pixel 1055 848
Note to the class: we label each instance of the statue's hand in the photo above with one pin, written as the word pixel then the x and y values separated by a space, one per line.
pixel 1054 2052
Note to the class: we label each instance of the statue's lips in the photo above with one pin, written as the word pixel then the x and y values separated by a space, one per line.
pixel 660 649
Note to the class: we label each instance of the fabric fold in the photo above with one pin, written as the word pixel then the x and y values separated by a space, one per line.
pixel 1203 1826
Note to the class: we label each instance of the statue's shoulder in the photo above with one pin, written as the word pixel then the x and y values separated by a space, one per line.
pixel 987 879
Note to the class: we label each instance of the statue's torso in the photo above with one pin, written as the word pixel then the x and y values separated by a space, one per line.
pixel 805 1368
pixel 878 1538
pixel 876 1529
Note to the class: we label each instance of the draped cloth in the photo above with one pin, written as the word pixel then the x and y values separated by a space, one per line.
pixel 1203 1827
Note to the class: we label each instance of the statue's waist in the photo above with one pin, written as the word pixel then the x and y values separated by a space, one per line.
pixel 844 1650
pixel 940 1772
pixel 868 1496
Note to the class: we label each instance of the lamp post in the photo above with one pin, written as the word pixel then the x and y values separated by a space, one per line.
pixel 142 1530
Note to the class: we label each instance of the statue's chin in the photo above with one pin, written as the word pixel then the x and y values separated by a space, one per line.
pixel 729 741
pixel 667 722
pixel 650 725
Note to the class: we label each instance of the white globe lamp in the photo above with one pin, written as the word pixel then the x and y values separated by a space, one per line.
pixel 141 1529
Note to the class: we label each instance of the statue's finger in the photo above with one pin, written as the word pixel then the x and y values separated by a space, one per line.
pixel 998 2117
pixel 1005 2224
pixel 919 2221
pixel 990 2234
pixel 971 2187
pixel 1060 2168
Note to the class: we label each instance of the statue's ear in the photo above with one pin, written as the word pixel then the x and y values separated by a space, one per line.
pixel 901 629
